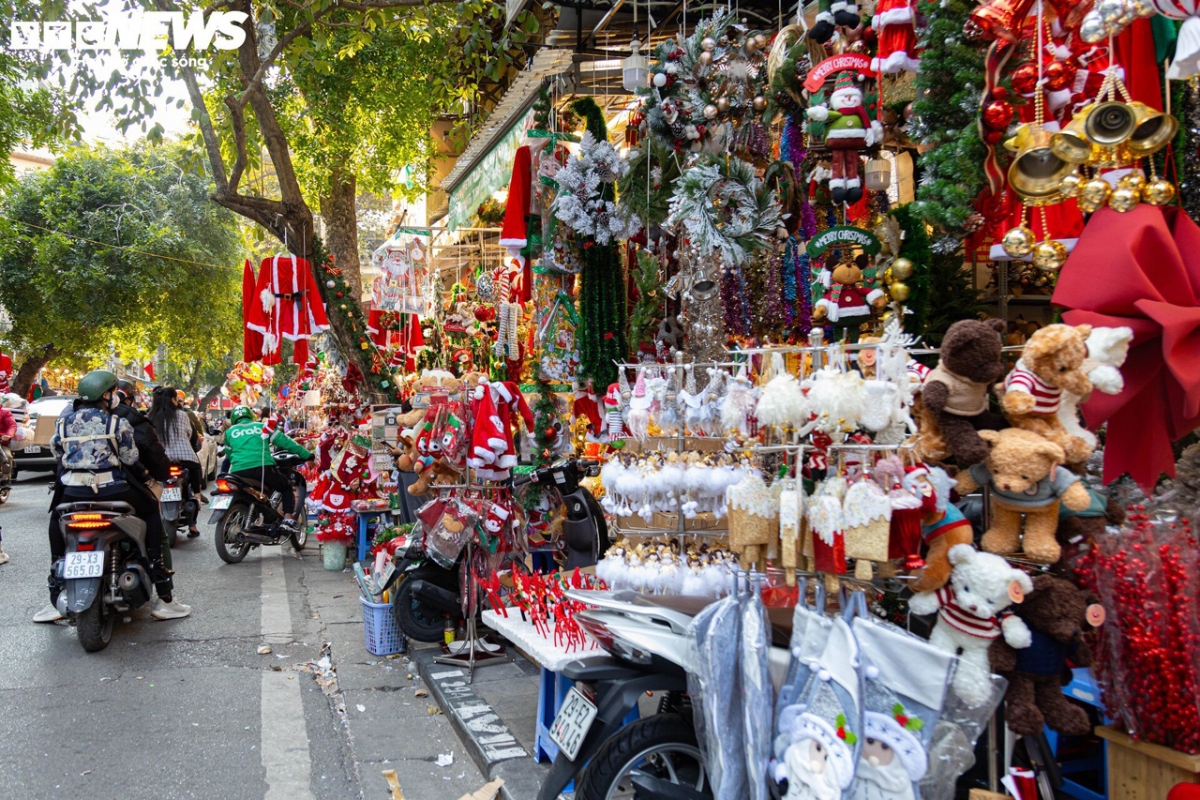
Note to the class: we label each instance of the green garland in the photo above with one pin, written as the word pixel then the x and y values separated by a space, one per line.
pixel 945 111
pixel 648 310
pixel 542 107
pixel 545 414
pixel 915 248
pixel 602 307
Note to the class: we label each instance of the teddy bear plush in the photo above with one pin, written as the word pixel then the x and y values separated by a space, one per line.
pixel 1056 613
pixel 955 393
pixel 1023 471
pixel 970 616
pixel 1078 530
pixel 847 303
pixel 1051 363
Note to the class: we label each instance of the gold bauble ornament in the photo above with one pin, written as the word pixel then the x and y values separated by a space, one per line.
pixel 1049 256
pixel 705 57
pixel 760 103
pixel 902 268
pixel 1018 242
pixel 1158 192
pixel 751 46
pixel 760 40
pixel 899 291
pixel 1093 195
pixel 1070 185
pixel 1133 180
pixel 708 43
pixel 1123 198
pixel 722 104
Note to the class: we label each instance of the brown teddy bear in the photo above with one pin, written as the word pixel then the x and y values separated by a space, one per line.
pixel 1056 613
pixel 955 393
pixel 1077 530
pixel 847 304
pixel 1026 479
pixel 1051 363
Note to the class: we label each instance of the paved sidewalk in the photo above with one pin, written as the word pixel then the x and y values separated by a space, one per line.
pixel 397 729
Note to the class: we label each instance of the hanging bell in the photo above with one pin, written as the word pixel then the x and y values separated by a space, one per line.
pixel 1071 143
pixel 1109 124
pixel 1036 172
pixel 704 285
pixel 1002 19
pixel 1152 131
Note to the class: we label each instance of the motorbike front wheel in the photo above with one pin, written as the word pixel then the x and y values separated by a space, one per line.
pixel 642 758
pixel 229 549
pixel 300 537
pixel 95 626
pixel 416 619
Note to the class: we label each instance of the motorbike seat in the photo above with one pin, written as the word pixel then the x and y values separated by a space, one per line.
pixel 252 483
pixel 94 505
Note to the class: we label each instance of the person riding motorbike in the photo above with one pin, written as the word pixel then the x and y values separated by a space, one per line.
pixel 96 451
pixel 175 431
pixel 8 429
pixel 185 406
pixel 250 457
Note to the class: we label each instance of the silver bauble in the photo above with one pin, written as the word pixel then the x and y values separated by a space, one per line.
pixel 1093 29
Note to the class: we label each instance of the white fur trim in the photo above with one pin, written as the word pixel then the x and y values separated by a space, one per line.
pixel 497 444
pixel 484 455
pixel 832 312
pixel 502 391
pixel 825 16
pixel 520 243
pixel 897 62
pixel 847 133
pixel 874 295
pixel 906 746
pixel 818 113
pixel 506 462
pixel 852 183
pixel 837 183
pixel 267 298
pixel 499 511
pixel 893 16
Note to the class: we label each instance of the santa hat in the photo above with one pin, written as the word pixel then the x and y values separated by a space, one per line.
pixel 912 475
pixel 514 232
pixel 613 398
pixel 488 438
pixel 892 729
pixel 845 80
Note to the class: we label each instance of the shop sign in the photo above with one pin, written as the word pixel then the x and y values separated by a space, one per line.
pixel 490 173
pixel 851 61
pixel 845 235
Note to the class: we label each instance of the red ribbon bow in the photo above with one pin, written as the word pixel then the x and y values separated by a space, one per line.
pixel 1141 269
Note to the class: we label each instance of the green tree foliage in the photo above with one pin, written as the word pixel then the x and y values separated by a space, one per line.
pixel 119 247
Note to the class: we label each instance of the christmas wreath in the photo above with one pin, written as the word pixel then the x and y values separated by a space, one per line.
pixel 724 209
pixel 582 203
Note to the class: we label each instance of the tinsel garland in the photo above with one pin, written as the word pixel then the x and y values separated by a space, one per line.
pixel 791 143
pixel 802 270
pixel 1187 146
pixel 774 309
pixel 944 117
pixel 603 314
pixel 789 281
pixel 808 220
pixel 733 300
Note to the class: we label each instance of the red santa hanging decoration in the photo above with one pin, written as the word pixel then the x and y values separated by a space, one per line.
pixel 288 306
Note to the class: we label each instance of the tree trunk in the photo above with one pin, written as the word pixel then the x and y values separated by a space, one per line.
pixel 30 369
pixel 209 396
pixel 339 208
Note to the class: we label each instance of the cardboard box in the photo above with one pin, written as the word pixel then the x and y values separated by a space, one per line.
pixel 44 431
pixel 984 794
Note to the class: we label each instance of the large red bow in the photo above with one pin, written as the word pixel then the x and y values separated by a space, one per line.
pixel 1141 269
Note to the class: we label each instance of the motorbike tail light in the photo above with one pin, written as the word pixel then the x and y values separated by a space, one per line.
pixel 176 471
pixel 224 487
pixel 85 547
pixel 84 522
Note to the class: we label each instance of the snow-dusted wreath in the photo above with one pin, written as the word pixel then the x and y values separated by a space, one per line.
pixel 582 203
pixel 724 209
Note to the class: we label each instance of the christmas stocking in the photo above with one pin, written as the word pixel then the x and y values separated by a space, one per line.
pixel 825 518
pixel 905 688
pixel 823 729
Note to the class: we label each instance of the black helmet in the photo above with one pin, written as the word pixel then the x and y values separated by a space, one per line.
pixel 95 384
pixel 127 389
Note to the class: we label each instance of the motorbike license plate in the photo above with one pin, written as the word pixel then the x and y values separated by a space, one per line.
pixel 171 494
pixel 83 565
pixel 33 449
pixel 572 723
pixel 221 501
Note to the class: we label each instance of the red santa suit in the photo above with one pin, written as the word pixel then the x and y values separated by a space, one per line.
pixel 846 302
pixel 289 305
pixel 895 25
pixel 6 371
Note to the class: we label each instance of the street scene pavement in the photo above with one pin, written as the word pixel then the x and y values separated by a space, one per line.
pixel 265 691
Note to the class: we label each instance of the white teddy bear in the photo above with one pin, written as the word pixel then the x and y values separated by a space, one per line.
pixel 970 615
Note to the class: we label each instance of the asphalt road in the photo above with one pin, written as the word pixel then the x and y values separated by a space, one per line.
pixel 176 709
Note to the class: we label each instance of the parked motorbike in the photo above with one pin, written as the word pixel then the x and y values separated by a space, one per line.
pixel 657 756
pixel 180 508
pixel 247 518
pixel 429 595
pixel 105 571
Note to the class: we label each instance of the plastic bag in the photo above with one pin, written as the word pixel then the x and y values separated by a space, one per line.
pixel 449 535
pixel 715 638
pixel 756 691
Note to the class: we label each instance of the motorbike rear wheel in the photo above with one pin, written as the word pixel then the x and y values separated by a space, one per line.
pixel 233 523
pixel 416 619
pixel 661 749
pixel 300 537
pixel 94 626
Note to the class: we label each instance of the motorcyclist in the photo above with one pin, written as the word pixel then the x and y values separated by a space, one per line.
pixel 179 438
pixel 250 456
pixel 97 454
pixel 8 429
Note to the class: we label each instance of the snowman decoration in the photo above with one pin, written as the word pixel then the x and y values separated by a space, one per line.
pixel 849 131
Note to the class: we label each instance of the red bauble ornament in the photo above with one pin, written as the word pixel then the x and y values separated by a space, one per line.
pixel 1024 79
pixel 993 137
pixel 1059 76
pixel 997 115
pixel 339 294
pixel 999 93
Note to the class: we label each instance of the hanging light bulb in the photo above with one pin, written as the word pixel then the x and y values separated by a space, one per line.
pixel 635 70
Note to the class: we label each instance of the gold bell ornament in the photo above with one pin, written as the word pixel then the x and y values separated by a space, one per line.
pixel 1018 242
pixel 1050 255
pixel 1123 199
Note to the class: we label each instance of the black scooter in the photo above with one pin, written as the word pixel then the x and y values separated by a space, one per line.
pixel 428 594
pixel 247 518
pixel 179 506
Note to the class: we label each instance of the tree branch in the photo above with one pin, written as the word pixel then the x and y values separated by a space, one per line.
pixel 238 121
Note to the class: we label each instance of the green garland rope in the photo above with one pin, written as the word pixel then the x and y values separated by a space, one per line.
pixel 916 248
pixel 602 308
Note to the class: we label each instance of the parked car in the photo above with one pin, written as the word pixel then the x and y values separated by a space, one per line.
pixel 35 457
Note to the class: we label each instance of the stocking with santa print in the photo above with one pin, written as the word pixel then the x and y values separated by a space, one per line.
pixel 905 692
pixel 823 729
